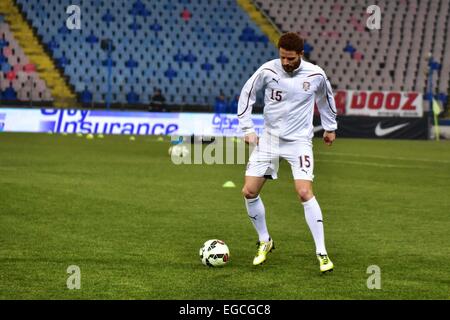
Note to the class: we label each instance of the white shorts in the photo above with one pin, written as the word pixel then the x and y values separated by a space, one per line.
pixel 265 158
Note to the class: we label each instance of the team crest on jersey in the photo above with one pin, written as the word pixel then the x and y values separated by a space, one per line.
pixel 306 85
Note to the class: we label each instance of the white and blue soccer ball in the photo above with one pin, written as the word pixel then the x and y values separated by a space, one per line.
pixel 214 253
pixel 179 150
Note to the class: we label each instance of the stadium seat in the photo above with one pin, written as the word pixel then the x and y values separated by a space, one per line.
pixel 169 29
pixel 401 20
pixel 16 72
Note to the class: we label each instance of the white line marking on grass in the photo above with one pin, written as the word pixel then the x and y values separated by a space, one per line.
pixel 373 164
pixel 356 155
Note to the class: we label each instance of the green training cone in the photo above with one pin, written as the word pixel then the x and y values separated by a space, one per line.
pixel 229 184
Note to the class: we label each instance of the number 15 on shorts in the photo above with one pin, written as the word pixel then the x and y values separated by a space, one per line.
pixel 305 161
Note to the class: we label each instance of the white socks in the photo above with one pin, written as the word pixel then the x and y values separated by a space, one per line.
pixel 313 216
pixel 257 214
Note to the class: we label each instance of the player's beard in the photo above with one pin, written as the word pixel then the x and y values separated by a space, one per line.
pixel 289 68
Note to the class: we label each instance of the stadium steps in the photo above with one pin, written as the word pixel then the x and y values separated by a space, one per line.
pixel 261 20
pixel 60 90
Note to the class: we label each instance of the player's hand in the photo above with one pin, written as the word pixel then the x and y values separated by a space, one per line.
pixel 329 137
pixel 251 139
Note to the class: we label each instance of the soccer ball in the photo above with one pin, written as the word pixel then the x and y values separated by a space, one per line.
pixel 214 253
pixel 178 150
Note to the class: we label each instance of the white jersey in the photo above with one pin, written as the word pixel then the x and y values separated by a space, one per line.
pixel 289 100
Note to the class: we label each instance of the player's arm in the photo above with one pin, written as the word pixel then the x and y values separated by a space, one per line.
pixel 327 109
pixel 247 99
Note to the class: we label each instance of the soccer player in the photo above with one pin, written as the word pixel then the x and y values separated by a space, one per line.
pixel 291 86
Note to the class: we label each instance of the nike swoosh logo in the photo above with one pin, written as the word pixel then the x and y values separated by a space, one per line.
pixel 318 128
pixel 380 132
pixel 275 80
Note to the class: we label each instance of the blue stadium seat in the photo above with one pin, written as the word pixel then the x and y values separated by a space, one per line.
pixel 157 35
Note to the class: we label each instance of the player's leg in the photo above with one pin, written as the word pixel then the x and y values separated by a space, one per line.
pixel 313 213
pixel 263 164
pixel 314 219
pixel 300 157
pixel 255 206
pixel 257 215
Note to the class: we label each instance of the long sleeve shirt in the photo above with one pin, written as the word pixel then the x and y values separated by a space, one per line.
pixel 289 100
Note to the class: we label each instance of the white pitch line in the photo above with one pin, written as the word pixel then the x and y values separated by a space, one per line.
pixel 356 155
pixel 373 164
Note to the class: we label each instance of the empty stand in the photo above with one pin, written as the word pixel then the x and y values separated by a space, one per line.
pixel 392 58
pixel 147 36
pixel 17 72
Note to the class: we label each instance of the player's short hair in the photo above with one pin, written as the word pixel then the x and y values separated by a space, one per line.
pixel 291 41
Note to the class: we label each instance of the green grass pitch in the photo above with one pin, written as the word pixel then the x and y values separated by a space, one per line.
pixel 134 222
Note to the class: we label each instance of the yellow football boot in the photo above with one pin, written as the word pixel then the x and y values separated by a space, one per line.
pixel 263 249
pixel 325 263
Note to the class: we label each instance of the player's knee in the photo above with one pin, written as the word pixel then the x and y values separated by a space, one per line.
pixel 248 193
pixel 305 194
